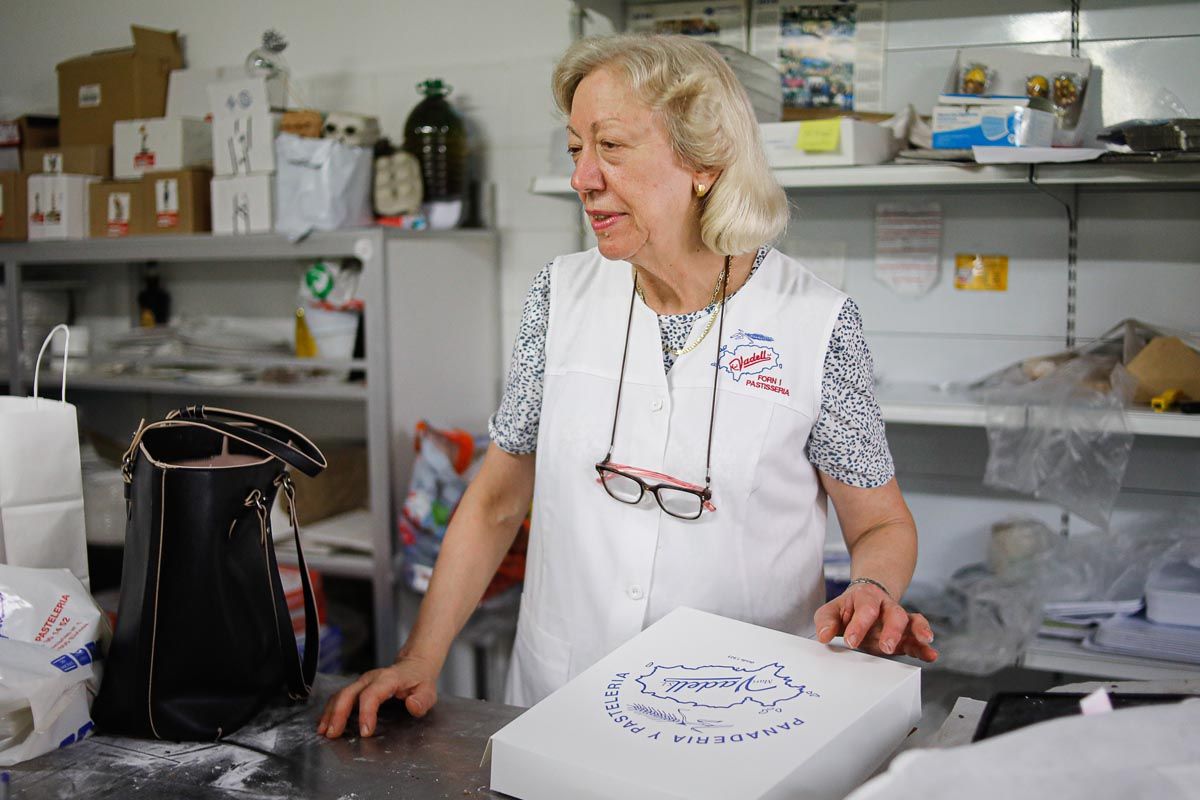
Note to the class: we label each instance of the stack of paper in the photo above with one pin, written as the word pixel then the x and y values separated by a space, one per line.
pixel 1136 636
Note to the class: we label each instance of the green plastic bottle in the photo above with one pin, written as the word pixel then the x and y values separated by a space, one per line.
pixel 437 136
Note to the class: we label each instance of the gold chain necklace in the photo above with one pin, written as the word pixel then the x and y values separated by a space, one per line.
pixel 712 318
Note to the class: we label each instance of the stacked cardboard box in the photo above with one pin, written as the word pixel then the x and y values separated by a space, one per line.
pixel 21 141
pixel 243 143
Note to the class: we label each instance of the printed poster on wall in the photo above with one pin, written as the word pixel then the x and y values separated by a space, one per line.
pixel 829 54
pixel 908 246
pixel 722 23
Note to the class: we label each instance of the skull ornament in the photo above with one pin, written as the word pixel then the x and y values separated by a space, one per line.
pixel 397 187
pixel 355 130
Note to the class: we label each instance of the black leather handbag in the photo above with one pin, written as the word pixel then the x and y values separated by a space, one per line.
pixel 203 636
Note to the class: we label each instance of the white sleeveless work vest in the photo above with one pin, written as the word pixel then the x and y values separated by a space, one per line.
pixel 599 570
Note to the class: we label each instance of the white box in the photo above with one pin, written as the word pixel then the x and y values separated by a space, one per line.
pixel 961 122
pixel 244 145
pixel 243 204
pixel 859 142
pixel 165 144
pixel 58 206
pixel 238 97
pixel 698 706
pixel 1173 593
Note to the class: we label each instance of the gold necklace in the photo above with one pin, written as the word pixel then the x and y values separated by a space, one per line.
pixel 712 318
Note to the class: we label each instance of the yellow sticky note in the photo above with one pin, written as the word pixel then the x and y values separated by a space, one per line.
pixel 819 135
pixel 976 272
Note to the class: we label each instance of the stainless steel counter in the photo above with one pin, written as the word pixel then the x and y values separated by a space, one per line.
pixel 279 755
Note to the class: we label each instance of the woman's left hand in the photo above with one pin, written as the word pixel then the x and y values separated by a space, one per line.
pixel 869 620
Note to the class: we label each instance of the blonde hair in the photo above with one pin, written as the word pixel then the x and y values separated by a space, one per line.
pixel 709 121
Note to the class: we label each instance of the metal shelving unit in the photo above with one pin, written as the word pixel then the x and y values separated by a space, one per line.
pixel 954 176
pixel 919 404
pixel 371 247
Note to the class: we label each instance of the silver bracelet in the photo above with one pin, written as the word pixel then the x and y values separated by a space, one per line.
pixel 872 582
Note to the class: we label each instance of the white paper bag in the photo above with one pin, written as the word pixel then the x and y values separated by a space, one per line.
pixel 50 630
pixel 41 483
pixel 320 185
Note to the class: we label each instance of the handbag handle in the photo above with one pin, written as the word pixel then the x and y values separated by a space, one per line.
pixel 299 672
pixel 287 444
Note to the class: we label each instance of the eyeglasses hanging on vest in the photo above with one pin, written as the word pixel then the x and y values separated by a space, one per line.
pixel 630 484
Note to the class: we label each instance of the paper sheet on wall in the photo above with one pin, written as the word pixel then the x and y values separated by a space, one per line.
pixel 908 245
pixel 724 23
pixel 829 54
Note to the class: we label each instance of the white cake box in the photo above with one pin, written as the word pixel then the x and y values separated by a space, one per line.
pixel 698 706
pixel 57 206
pixel 163 144
pixel 243 204
pixel 858 142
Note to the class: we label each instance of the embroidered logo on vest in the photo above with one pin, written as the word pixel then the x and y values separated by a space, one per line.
pixel 749 358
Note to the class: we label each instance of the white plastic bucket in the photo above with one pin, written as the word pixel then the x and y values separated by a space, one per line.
pixel 333 331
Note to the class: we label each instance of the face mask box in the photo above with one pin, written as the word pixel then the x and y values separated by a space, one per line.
pixel 57 206
pixel 96 90
pixel 115 209
pixel 964 121
pixel 701 706
pixel 13 220
pixel 176 202
pixel 243 204
pixel 163 144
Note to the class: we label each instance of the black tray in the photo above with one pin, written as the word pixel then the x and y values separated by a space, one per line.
pixel 1009 711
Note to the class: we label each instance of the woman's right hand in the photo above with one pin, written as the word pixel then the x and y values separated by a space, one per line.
pixel 410 679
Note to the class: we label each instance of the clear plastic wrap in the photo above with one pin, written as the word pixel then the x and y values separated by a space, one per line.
pixel 987 614
pixel 1057 431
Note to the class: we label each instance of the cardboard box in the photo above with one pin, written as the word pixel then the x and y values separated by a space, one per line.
pixel 115 208
pixel 304 122
pixel 163 144
pixel 13 220
pixel 29 130
pixel 700 706
pixel 1167 362
pixel 341 487
pixel 1009 73
pixel 177 202
pixel 243 204
pixel 963 121
pixel 244 127
pixel 838 142
pixel 57 206
pixel 96 90
pixel 82 159
pixel 244 145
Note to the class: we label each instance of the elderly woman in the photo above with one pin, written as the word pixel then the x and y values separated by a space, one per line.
pixel 682 400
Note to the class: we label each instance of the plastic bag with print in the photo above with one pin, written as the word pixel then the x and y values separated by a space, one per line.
pixel 52 634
